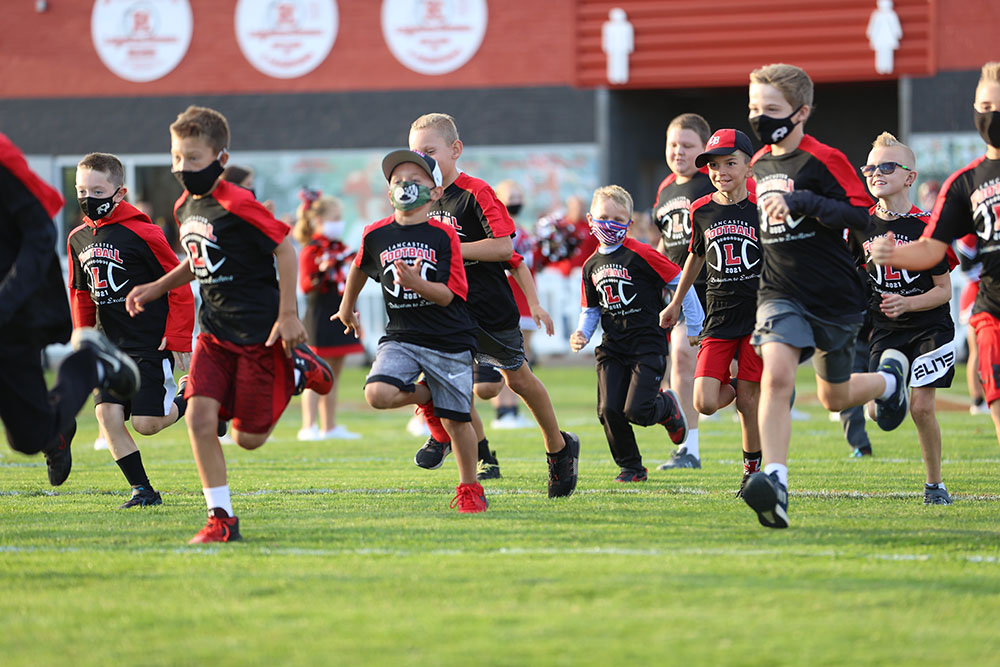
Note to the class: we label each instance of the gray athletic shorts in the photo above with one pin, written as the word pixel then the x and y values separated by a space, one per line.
pixel 448 375
pixel 786 321
pixel 500 349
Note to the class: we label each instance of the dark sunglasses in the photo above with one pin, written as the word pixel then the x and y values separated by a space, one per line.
pixel 886 168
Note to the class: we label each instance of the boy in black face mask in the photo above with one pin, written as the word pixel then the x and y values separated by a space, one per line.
pixel 115 248
pixel 238 371
pixel 811 297
pixel 969 202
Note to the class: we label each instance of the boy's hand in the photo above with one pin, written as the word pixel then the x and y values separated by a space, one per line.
pixel 406 275
pixel 775 207
pixel 670 315
pixel 894 305
pixel 882 247
pixel 693 341
pixel 291 332
pixel 350 320
pixel 577 341
pixel 541 317
pixel 139 296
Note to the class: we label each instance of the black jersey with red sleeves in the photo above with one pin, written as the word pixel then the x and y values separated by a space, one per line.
pixel 672 213
pixel 889 280
pixel 804 259
pixel 728 237
pixel 110 257
pixel 627 284
pixel 412 318
pixel 229 238
pixel 471 207
pixel 969 202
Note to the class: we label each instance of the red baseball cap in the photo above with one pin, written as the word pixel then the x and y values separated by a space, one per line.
pixel 724 142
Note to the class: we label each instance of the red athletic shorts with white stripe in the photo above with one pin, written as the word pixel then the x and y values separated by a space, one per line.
pixel 987 330
pixel 253 383
pixel 716 355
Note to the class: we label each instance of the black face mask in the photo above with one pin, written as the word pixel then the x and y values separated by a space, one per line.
pixel 200 182
pixel 771 130
pixel 96 208
pixel 988 124
pixel 514 209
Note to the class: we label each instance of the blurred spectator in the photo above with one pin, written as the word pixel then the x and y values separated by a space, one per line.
pixel 643 229
pixel 564 238
pixel 927 194
pixel 244 177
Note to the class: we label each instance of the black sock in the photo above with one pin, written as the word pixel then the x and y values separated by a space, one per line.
pixel 484 449
pixel 504 410
pixel 751 461
pixel 182 406
pixel 979 401
pixel 131 466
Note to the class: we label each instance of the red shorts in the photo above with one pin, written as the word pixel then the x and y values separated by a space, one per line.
pixel 987 330
pixel 253 383
pixel 966 300
pixel 716 354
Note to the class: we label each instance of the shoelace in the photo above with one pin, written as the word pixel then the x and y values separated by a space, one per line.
pixel 460 493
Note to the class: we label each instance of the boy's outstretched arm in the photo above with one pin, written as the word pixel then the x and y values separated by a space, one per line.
pixel 288 327
pixel 355 282
pixel 522 275
pixel 692 267
pixel 489 250
pixel 918 255
pixel 140 295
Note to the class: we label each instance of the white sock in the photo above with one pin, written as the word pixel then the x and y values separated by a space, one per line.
pixel 692 443
pixel 890 385
pixel 218 496
pixel 779 468
pixel 297 375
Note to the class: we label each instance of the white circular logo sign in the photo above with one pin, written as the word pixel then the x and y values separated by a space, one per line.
pixel 286 38
pixel 434 36
pixel 141 40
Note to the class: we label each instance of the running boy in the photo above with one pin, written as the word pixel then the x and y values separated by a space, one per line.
pixel 484 228
pixel 725 238
pixel 115 248
pixel 418 262
pixel 909 309
pixel 686 138
pixel 623 286
pixel 810 296
pixel 969 202
pixel 237 371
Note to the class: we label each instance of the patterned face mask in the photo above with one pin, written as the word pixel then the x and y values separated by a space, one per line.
pixel 409 195
pixel 609 232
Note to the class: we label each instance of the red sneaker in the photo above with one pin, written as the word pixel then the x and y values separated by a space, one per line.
pixel 675 421
pixel 433 423
pixel 470 498
pixel 218 529
pixel 313 372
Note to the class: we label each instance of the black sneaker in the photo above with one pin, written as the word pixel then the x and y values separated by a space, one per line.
pixel 768 498
pixel 936 496
pixel 59 457
pixel 675 422
pixel 564 469
pixel 121 375
pixel 629 475
pixel 891 412
pixel 142 497
pixel 432 454
pixel 680 459
pixel 488 467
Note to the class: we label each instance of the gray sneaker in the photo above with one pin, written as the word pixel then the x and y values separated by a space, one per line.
pixel 680 459
pixel 938 496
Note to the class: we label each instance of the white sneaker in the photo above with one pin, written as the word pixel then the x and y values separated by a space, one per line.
pixel 834 417
pixel 309 434
pixel 100 443
pixel 417 428
pixel 227 440
pixel 340 432
pixel 799 416
pixel 981 409
pixel 511 421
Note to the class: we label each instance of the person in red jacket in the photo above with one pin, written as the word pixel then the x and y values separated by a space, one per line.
pixel 115 248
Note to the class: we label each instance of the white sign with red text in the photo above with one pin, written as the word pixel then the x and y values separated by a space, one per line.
pixel 434 36
pixel 141 40
pixel 286 39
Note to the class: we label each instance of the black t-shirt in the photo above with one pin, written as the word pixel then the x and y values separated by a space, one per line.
pixel 888 280
pixel 969 202
pixel 471 207
pixel 807 260
pixel 728 236
pixel 627 285
pixel 230 239
pixel 412 318
pixel 672 214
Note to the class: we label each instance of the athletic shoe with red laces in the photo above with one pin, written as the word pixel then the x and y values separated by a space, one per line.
pixel 629 475
pixel 470 498
pixel 313 372
pixel 218 529
pixel 675 422
pixel 433 423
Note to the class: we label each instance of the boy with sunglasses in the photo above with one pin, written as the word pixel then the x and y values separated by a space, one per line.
pixel 909 309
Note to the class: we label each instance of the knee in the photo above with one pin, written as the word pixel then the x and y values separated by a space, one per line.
pixel 377 394
pixel 147 425
pixel 833 401
pixel 922 410
pixel 747 404
pixel 201 421
pixel 606 414
pixel 704 405
pixel 249 440
pixel 487 390
pixel 521 380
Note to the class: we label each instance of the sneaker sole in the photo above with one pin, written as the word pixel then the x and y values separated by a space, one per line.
pixel 905 363
pixel 760 496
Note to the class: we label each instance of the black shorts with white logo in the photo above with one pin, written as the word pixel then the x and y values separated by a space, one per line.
pixel 931 352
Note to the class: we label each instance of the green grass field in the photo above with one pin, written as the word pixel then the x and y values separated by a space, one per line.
pixel 352 555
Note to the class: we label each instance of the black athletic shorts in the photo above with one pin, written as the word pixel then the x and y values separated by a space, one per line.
pixel 157 388
pixel 931 352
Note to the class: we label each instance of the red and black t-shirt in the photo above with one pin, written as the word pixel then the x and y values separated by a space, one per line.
pixel 889 280
pixel 672 214
pixel 728 237
pixel 969 202
pixel 470 206
pixel 412 318
pixel 805 256
pixel 110 257
pixel 230 239
pixel 627 284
